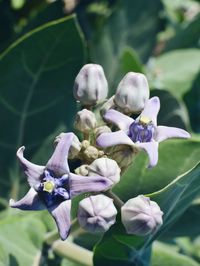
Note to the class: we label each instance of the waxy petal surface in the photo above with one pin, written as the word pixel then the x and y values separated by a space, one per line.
pixel 58 162
pixel 122 121
pixel 32 171
pixel 163 133
pixel 30 202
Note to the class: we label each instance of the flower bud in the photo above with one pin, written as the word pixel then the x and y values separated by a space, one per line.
pixel 105 167
pixel 85 121
pixel 123 155
pixel 82 170
pixel 97 213
pixel 90 153
pixel 90 85
pixel 141 216
pixel 74 148
pixel 132 93
pixel 99 130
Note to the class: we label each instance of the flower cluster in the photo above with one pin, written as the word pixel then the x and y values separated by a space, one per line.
pixel 104 152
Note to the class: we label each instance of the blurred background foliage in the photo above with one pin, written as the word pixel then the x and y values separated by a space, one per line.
pixel 43 45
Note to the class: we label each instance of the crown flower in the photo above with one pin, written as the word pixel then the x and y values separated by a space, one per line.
pixel 142 133
pixel 53 186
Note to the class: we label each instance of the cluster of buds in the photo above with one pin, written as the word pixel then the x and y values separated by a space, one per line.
pixel 104 152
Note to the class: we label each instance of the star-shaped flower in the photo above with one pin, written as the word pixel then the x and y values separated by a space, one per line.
pixel 142 133
pixel 53 185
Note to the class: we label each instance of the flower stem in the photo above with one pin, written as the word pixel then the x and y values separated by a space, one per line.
pixel 69 250
pixel 54 235
pixel 117 201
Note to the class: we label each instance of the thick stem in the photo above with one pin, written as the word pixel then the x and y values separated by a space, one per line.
pixel 117 201
pixel 73 252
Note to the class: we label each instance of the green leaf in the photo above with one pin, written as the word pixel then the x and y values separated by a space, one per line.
pixel 164 255
pixel 186 37
pixel 130 61
pixel 192 98
pixel 125 27
pixel 176 70
pixel 116 248
pixel 175 158
pixel 175 198
pixel 37 74
pixel 21 237
pixel 186 225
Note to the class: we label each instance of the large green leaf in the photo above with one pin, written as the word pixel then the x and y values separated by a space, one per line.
pixel 175 158
pixel 186 37
pixel 176 70
pixel 186 225
pixel 36 80
pixel 21 238
pixel 165 255
pixel 134 24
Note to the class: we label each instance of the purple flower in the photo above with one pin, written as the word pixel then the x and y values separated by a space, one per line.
pixel 53 185
pixel 142 133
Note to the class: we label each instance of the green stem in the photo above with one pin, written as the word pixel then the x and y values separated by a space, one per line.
pixel 71 251
pixel 117 201
pixel 54 235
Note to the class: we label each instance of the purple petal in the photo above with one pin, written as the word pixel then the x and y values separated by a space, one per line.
pixel 32 171
pixel 151 148
pixel 114 138
pixel 163 133
pixel 61 214
pixel 119 119
pixel 58 162
pixel 82 184
pixel 30 201
pixel 151 109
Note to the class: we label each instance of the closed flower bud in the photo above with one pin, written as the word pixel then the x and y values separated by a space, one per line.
pixel 90 153
pixel 97 213
pixel 82 170
pixel 123 155
pixel 85 121
pixel 74 148
pixel 90 85
pixel 132 93
pixel 141 216
pixel 105 167
pixel 99 130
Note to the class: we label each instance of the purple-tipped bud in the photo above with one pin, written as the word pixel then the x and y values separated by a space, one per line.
pixel 97 213
pixel 105 167
pixel 132 93
pixel 85 121
pixel 141 216
pixel 90 85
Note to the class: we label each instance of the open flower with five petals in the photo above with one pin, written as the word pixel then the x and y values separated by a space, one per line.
pixel 142 133
pixel 53 185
